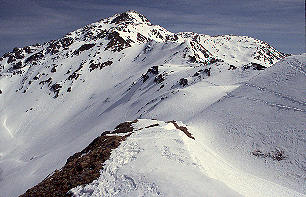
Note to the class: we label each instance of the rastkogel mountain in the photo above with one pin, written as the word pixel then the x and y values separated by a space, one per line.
pixel 204 115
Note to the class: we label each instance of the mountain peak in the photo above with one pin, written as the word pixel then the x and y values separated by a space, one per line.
pixel 129 16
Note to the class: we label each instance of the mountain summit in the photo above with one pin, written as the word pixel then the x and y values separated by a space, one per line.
pixel 193 111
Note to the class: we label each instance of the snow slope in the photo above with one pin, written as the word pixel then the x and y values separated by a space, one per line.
pixel 153 161
pixel 262 124
pixel 56 97
pixel 226 137
pixel 160 160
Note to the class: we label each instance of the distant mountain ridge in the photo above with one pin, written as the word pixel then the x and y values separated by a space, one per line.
pixel 123 31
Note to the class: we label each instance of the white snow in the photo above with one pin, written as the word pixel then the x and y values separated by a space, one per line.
pixel 153 162
pixel 231 113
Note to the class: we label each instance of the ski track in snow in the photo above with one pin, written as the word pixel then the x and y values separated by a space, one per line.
pixel 6 128
pixel 297 65
pixel 245 183
pixel 277 94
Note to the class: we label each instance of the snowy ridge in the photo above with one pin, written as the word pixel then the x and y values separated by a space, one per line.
pixel 57 97
pixel 153 161
pixel 159 160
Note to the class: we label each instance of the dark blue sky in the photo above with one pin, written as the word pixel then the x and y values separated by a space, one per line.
pixel 278 22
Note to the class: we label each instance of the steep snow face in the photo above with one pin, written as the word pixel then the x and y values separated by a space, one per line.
pixel 56 97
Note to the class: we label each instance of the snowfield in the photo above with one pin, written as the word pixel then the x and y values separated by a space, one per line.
pixel 241 99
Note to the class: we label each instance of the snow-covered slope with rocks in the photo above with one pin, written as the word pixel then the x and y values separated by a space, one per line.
pixel 260 126
pixel 58 96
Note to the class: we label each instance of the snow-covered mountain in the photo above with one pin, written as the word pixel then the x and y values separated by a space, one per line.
pixel 247 119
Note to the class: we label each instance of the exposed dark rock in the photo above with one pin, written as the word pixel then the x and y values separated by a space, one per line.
pixel 16 49
pixel 159 79
pixel 27 49
pixel 275 155
pixel 245 67
pixel 206 55
pixel 83 167
pixel 100 35
pixel 143 18
pixel 153 125
pixel 48 81
pixel 145 77
pixel 196 74
pixel 0 91
pixel 18 53
pixel 94 66
pixel 207 71
pixel 107 63
pixel 157 34
pixel 69 89
pixel 66 42
pixel 84 47
pixel 153 70
pixel 125 127
pixel 141 38
pixel 75 74
pixel 278 155
pixel 54 47
pixel 116 42
pixel 56 88
pixel 214 60
pixel 6 55
pixel 53 69
pixel 172 38
pixel 123 17
pixel 258 66
pixel 11 59
pixel 255 66
pixel 34 57
pixel 18 65
pixel 182 128
pixel 183 82
pixel 192 59
pixel 232 67
pixel 35 78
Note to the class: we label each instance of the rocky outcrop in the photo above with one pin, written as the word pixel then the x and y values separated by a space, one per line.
pixel 83 167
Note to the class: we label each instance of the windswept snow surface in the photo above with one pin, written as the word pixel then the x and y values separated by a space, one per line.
pixel 265 114
pixel 57 97
pixel 162 161
pixel 154 161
